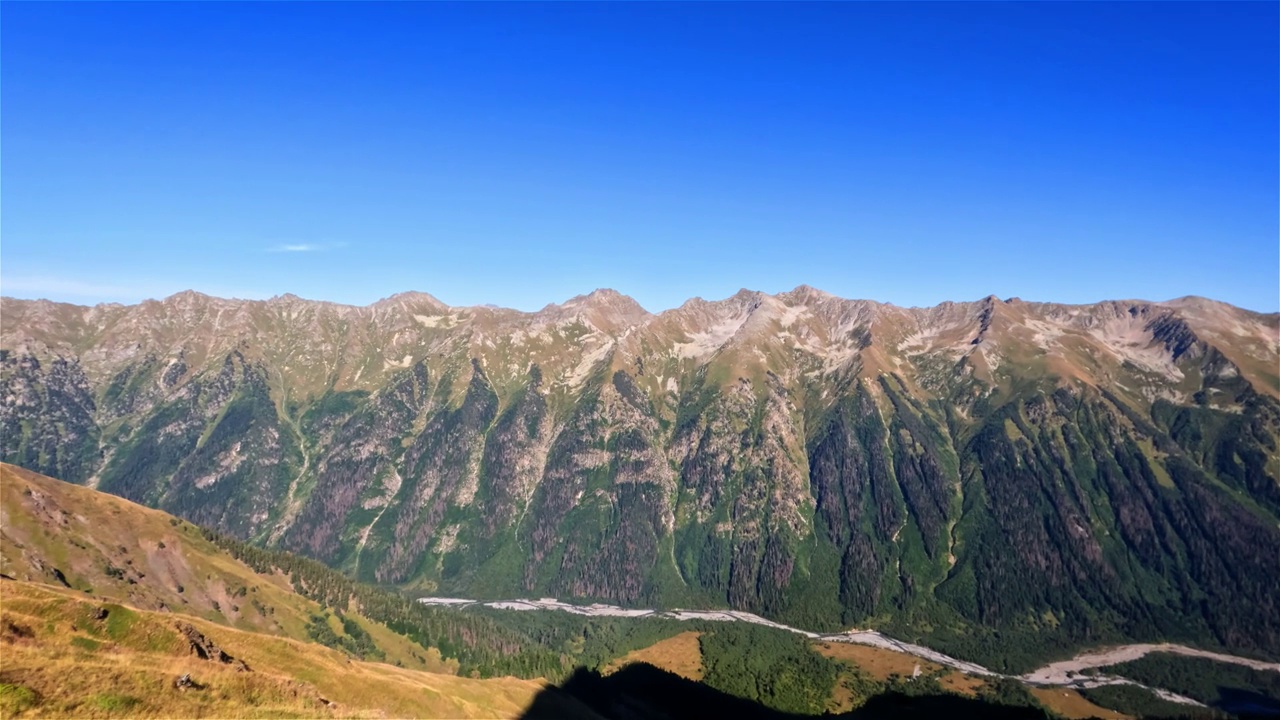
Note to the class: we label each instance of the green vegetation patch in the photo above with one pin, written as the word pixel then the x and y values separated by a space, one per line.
pixel 769 666
pixel 1231 687
pixel 85 643
pixel 114 702
pixel 16 698
pixel 353 640
pixel 1007 691
pixel 1140 702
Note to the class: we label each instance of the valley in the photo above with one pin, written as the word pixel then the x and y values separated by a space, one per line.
pixel 1063 673
pixel 165 618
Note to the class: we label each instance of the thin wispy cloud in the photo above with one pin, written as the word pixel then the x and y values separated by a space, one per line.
pixel 301 247
pixel 305 247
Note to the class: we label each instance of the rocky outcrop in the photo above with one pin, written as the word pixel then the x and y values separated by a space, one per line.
pixel 206 649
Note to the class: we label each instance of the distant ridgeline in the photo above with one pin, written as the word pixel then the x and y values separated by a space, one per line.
pixel 1001 480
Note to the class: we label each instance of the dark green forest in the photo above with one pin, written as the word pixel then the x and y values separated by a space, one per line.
pixel 1227 686
pixel 1142 703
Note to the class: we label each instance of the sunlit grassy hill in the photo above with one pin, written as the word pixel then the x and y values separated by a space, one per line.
pixel 105 547
pixel 101 597
pixel 68 654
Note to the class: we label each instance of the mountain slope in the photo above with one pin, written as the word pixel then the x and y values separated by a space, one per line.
pixel 58 534
pixel 61 660
pixel 1004 479
pixel 106 602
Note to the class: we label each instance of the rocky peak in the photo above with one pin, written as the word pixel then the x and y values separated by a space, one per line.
pixel 411 300
pixel 187 297
pixel 607 310
pixel 806 293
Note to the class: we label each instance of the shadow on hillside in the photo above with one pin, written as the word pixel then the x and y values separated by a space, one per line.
pixel 1247 704
pixel 644 692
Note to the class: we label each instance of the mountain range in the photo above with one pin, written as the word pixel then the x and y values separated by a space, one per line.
pixel 1005 480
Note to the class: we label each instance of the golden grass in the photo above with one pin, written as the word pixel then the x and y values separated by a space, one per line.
pixel 962 684
pixel 1071 704
pixel 55 649
pixel 149 571
pixel 680 654
pixel 879 663
pixel 115 550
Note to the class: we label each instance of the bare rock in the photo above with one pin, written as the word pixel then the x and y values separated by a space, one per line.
pixel 206 649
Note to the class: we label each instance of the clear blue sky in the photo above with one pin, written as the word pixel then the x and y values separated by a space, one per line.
pixel 519 154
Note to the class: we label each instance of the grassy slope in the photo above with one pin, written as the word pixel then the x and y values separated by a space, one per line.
pixel 1071 704
pixel 881 664
pixel 114 549
pixel 111 548
pixel 680 654
pixel 65 661
pixel 151 570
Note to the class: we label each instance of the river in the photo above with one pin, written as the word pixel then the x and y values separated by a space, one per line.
pixel 1068 673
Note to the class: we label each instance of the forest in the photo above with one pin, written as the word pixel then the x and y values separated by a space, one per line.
pixel 1234 688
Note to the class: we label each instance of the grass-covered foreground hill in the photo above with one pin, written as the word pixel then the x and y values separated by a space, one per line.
pixel 66 654
pixel 1006 481
pixel 104 603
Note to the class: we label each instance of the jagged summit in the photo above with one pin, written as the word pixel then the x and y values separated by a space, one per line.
pixel 605 309
pixel 411 299
pixel 751 331
pixel 607 296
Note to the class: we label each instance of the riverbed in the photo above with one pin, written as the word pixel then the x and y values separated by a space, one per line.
pixel 1063 673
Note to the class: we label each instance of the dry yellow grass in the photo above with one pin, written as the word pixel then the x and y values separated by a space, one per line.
pixel 149 571
pixel 112 548
pixel 1073 705
pixel 878 662
pixel 962 684
pixel 680 654
pixel 60 660
pixel 116 550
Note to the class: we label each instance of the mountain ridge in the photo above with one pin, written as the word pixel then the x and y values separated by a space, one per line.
pixel 802 456
pixel 696 329
pixel 799 290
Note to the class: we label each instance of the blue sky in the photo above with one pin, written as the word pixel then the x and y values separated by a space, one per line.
pixel 520 154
